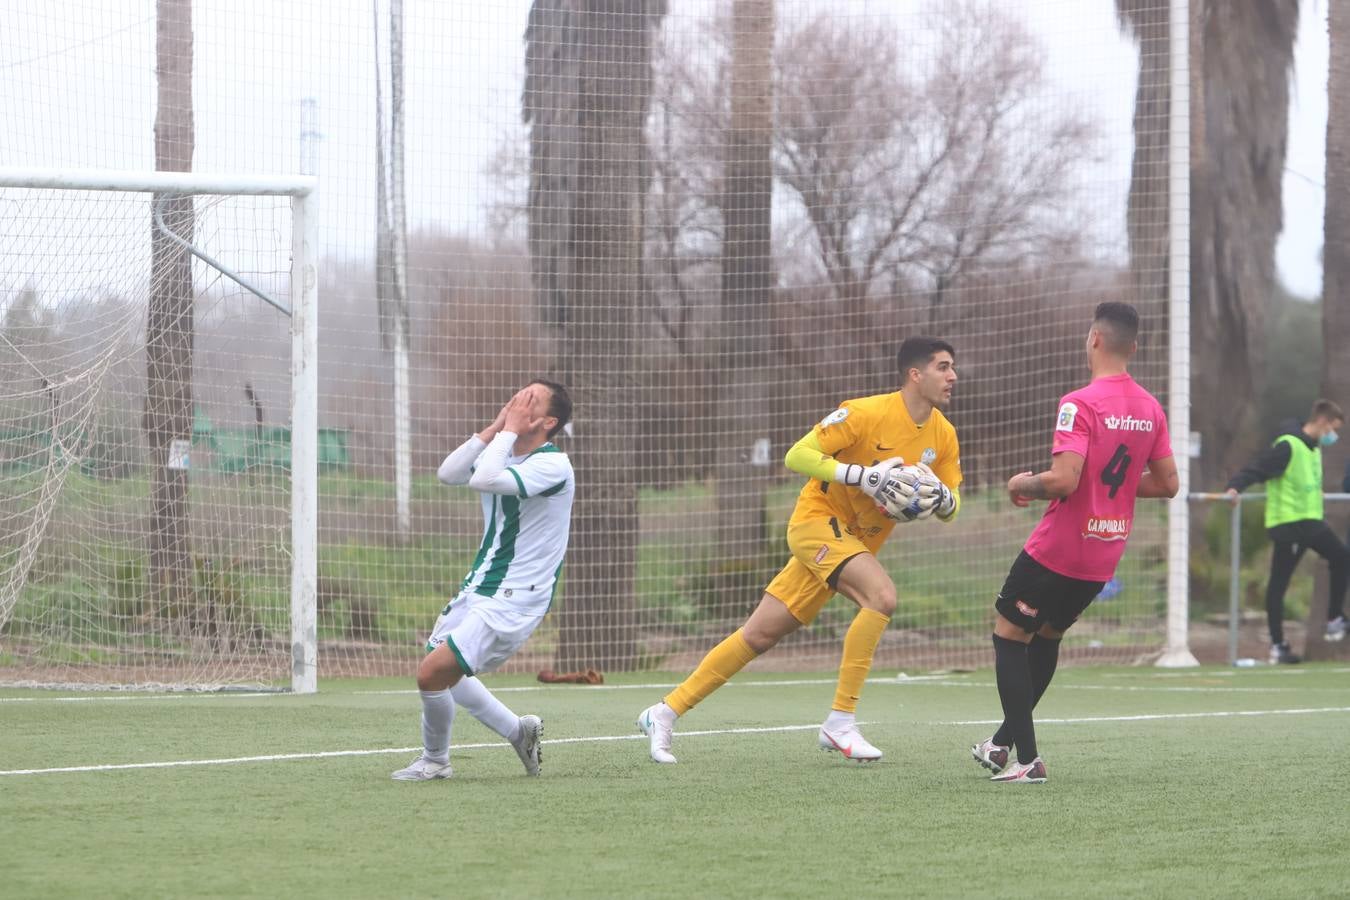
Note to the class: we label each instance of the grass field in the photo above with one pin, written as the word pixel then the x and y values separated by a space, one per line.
pixel 1205 783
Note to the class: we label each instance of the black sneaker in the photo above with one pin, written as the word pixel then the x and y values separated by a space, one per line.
pixel 1281 655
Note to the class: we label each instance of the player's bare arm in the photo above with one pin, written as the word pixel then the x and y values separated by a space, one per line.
pixel 1059 481
pixel 1160 479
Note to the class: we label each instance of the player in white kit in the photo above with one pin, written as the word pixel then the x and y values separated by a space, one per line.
pixel 527 487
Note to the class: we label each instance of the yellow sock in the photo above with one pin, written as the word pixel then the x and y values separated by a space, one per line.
pixel 722 661
pixel 859 645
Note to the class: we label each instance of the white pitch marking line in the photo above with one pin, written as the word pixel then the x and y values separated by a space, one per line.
pixel 936 680
pixel 1282 672
pixel 330 754
pixel 587 688
pixel 1086 720
pixel 1164 689
pixel 1151 717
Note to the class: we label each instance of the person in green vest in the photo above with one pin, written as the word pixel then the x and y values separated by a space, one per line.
pixel 1292 469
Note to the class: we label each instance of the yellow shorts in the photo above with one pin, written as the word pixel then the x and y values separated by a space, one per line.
pixel 819 546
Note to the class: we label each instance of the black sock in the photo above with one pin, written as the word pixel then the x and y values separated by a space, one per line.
pixel 1042 658
pixel 1013 671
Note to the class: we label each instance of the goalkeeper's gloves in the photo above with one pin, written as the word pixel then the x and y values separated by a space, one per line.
pixel 934 492
pixel 901 498
pixel 868 479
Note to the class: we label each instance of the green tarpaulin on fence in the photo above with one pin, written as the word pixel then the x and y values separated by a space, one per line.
pixel 230 450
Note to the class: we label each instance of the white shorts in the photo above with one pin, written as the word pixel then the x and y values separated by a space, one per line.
pixel 482 632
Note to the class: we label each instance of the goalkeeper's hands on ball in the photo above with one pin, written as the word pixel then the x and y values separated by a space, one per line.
pixel 943 497
pixel 868 479
pixel 914 492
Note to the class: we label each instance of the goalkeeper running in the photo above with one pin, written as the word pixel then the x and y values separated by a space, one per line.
pixel 873 462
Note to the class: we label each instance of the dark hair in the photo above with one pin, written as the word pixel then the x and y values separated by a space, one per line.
pixel 916 352
pixel 559 404
pixel 1327 409
pixel 1118 324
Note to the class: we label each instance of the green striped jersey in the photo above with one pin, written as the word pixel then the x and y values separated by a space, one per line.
pixel 525 534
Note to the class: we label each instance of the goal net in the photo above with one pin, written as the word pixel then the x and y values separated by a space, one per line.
pixel 713 220
pixel 146 516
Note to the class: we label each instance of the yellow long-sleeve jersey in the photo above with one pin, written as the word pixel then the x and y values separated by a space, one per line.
pixel 865 431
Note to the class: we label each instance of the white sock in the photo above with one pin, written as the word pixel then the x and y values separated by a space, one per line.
pixel 666 711
pixel 474 696
pixel 438 713
pixel 838 721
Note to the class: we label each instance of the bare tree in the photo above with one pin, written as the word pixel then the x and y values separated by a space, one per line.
pixel 906 182
pixel 167 418
pixel 586 98
pixel 1335 288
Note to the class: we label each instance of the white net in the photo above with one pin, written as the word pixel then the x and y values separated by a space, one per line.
pixel 713 220
pixel 121 564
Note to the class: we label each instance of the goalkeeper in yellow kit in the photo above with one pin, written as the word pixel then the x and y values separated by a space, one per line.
pixel 854 459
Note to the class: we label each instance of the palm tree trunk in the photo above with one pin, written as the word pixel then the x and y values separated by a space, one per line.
pixel 745 458
pixel 587 93
pixel 168 411
pixel 1244 61
pixel 1147 215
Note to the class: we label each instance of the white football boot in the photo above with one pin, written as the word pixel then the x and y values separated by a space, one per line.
pixel 527 747
pixel 658 723
pixel 423 769
pixel 849 742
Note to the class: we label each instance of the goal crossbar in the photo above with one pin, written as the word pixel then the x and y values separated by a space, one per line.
pixel 158 182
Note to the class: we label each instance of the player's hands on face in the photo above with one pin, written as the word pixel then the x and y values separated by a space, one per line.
pixel 519 412
pixel 1017 498
pixel 527 410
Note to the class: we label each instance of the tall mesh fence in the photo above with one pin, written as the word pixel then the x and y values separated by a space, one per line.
pixel 714 221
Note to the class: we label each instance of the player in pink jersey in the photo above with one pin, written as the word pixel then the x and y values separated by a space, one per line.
pixel 1110 446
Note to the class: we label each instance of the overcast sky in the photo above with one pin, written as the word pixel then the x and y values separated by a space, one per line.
pixel 77 89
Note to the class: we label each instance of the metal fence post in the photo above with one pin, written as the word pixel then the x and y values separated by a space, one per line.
pixel 1234 577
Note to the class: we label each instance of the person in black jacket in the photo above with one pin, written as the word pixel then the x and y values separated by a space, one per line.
pixel 1292 468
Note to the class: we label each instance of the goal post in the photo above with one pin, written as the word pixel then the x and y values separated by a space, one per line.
pixel 1177 652
pixel 41 248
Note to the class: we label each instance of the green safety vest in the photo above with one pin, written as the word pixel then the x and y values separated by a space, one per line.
pixel 1296 496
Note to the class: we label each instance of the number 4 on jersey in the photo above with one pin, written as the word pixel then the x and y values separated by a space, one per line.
pixel 1113 475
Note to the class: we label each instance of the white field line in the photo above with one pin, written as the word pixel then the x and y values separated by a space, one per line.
pixel 1158 689
pixel 330 754
pixel 665 686
pixel 1283 671
pixel 916 680
pixel 283 757
pixel 1152 717
pixel 528 688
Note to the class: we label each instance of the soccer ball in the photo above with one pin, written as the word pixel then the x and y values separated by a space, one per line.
pixel 908 494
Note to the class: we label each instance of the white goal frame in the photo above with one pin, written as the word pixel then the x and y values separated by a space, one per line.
pixel 304 400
